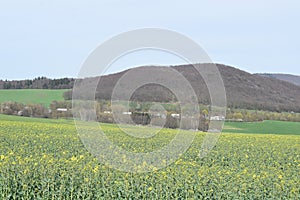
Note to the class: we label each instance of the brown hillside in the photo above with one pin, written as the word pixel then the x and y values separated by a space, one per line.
pixel 244 90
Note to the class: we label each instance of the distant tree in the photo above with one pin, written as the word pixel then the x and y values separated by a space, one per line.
pixel 205 112
pixel 7 85
pixel 238 115
pixel 45 86
pixel 172 122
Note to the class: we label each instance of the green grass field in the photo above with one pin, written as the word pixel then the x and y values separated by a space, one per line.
pixel 39 96
pixel 45 159
pixel 265 127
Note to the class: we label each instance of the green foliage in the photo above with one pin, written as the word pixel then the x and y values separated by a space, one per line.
pixel 259 115
pixel 44 159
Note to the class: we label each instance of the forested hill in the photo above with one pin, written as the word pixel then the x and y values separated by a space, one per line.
pixel 244 90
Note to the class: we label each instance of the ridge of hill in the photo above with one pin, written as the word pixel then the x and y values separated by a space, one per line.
pixel 284 77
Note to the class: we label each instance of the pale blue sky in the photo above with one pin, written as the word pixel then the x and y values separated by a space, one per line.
pixel 53 37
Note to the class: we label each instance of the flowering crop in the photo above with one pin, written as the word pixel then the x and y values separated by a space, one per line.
pixel 45 159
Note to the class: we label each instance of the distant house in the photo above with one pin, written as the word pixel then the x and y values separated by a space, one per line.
pixel 175 115
pixel 62 109
pixel 217 118
pixel 127 113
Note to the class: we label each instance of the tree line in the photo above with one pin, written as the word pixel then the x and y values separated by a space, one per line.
pixel 140 113
pixel 38 83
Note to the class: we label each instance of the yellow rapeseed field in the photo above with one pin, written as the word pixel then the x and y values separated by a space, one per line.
pixel 45 159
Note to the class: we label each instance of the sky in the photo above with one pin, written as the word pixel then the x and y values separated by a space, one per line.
pixel 53 38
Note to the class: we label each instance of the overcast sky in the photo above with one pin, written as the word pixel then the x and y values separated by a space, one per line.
pixel 54 37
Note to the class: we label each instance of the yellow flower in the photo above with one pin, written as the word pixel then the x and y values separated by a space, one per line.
pixel 95 170
pixel 73 158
